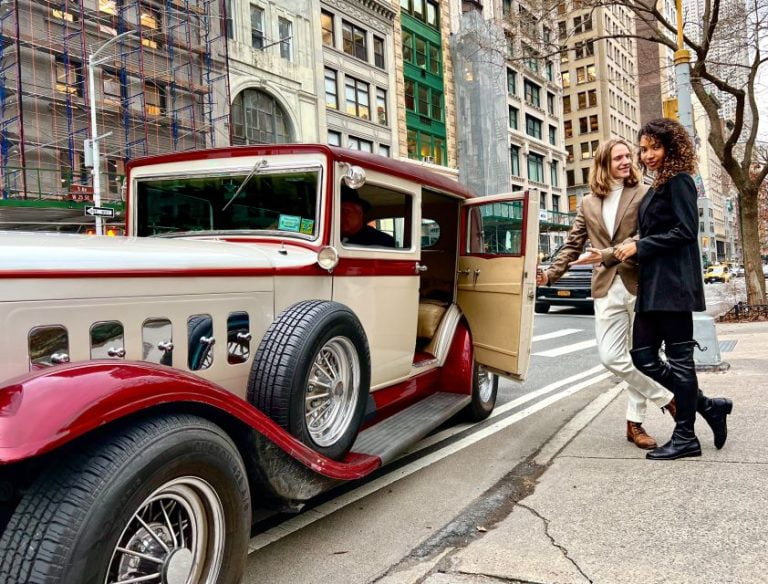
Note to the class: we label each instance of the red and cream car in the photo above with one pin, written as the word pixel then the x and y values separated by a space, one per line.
pixel 281 319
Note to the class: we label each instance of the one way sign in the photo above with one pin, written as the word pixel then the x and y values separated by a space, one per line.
pixel 100 211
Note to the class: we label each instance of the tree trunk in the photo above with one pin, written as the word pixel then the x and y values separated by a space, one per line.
pixel 750 245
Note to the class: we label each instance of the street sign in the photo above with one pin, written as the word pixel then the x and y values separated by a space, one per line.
pixel 100 211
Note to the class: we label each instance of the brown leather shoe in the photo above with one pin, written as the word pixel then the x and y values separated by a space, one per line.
pixel 637 434
pixel 671 407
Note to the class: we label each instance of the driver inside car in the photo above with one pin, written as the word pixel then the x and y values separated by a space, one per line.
pixel 354 225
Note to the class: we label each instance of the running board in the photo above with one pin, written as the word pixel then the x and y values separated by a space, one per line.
pixel 392 436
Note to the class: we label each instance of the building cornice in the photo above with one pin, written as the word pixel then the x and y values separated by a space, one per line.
pixel 375 13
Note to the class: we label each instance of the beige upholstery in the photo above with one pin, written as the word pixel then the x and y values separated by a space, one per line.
pixel 430 314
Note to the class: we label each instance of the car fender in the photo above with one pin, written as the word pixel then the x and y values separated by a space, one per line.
pixel 46 409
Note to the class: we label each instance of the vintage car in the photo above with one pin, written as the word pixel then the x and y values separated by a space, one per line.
pixel 280 319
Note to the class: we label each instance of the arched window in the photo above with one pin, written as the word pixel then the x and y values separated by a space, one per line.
pixel 257 118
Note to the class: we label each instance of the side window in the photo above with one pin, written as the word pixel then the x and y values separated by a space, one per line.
pixel 48 345
pixel 157 341
pixel 495 229
pixel 374 216
pixel 200 342
pixel 238 338
pixel 107 341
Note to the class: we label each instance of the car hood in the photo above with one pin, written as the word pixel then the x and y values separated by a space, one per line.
pixel 51 252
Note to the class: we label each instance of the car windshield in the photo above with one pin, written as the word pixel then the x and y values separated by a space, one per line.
pixel 282 202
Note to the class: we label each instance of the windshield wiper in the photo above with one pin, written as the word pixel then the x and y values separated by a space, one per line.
pixel 256 167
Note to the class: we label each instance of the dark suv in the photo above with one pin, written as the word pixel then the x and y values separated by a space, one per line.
pixel 573 289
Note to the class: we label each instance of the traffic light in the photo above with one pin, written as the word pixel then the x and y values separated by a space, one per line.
pixel 669 108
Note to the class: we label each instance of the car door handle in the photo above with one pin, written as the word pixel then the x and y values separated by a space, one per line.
pixel 466 272
pixel 419 268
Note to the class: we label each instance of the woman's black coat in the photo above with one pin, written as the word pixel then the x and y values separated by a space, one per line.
pixel 670 276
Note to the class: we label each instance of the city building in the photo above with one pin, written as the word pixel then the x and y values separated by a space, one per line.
pixel 160 80
pixel 509 109
pixel 272 48
pixel 428 84
pixel 600 88
pixel 359 75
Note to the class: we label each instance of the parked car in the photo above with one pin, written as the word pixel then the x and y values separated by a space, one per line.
pixel 717 273
pixel 237 350
pixel 739 272
pixel 573 289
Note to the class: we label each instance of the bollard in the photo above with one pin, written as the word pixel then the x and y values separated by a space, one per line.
pixel 705 334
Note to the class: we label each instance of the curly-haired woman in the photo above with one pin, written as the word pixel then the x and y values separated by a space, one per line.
pixel 670 285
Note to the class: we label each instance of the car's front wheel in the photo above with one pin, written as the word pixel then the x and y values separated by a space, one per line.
pixel 163 500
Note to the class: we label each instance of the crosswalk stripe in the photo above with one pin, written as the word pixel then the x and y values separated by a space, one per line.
pixel 556 334
pixel 572 348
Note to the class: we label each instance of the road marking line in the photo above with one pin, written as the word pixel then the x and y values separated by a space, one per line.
pixel 503 409
pixel 300 521
pixel 572 348
pixel 556 334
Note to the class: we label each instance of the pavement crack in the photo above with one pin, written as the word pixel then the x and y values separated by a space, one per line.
pixel 562 548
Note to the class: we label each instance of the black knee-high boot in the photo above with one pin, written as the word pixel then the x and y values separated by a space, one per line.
pixel 685 387
pixel 713 410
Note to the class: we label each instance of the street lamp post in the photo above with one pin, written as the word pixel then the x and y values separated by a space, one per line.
pixel 683 76
pixel 93 143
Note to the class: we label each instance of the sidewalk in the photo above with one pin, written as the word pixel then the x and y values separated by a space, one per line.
pixel 602 513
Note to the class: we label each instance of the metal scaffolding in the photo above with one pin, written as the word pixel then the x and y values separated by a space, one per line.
pixel 164 88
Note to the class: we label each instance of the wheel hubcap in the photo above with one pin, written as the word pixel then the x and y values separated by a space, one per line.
pixel 175 537
pixel 332 391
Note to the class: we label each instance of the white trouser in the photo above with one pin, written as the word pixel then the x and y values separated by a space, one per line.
pixel 613 328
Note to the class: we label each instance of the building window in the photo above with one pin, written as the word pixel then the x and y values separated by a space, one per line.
pixel 566 104
pixel 110 85
pixel 151 20
pixel 69 76
pixel 554 172
pixel 591 73
pixel 536 167
pixel 585 152
pixel 381 106
pixel 326 24
pixel 334 138
pixel 550 71
pixel 357 98
pixel 257 27
pixel 555 202
pixel 562 30
pixel 581 75
pixel 553 135
pixel 426 147
pixel 384 150
pixel 513 114
pixel 569 153
pixel 566 76
pixel 228 22
pixel 568 125
pixel 257 118
pixel 434 59
pixel 593 125
pixel 331 89
pixel 378 52
pixel 285 30
pixel 359 144
pixel 354 39
pixel 154 99
pixel 532 93
pixel 583 126
pixel 584 175
pixel 62 15
pixel 532 126
pixel 569 178
pixel 551 103
pixel 437 105
pixel 421 52
pixel 514 158
pixel 407 47
pixel 409 95
pixel 511 82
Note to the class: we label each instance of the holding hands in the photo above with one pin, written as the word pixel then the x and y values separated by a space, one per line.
pixel 625 251
pixel 541 278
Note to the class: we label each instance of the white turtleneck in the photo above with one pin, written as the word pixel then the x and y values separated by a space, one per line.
pixel 611 205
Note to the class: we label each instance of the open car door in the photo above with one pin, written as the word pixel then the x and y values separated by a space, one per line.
pixel 497 278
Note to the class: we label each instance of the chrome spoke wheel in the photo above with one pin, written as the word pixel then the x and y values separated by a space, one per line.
pixel 332 391
pixel 484 384
pixel 175 537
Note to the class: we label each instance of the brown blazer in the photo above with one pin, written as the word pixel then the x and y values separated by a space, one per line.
pixel 589 225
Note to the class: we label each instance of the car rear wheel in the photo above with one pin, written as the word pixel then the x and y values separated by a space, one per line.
pixel 485 388
pixel 163 500
pixel 311 374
